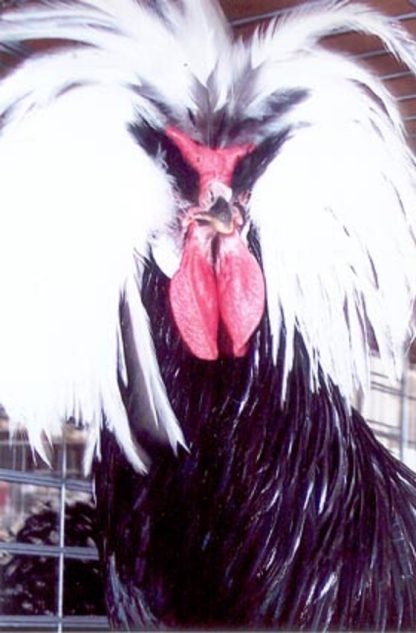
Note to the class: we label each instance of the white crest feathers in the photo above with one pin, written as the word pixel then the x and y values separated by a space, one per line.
pixel 80 201
pixel 336 208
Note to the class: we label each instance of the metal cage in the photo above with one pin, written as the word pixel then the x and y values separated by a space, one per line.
pixel 49 573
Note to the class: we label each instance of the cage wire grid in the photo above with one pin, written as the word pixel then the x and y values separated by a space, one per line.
pixel 32 482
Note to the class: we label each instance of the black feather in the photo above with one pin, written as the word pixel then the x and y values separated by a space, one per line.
pixel 157 144
pixel 287 517
pixel 252 166
pixel 241 126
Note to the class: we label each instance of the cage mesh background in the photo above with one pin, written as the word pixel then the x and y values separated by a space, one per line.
pixel 49 572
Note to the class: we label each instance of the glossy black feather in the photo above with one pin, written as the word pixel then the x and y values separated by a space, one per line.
pixel 288 517
pixel 158 145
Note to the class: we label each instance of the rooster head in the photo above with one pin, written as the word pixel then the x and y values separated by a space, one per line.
pixel 148 132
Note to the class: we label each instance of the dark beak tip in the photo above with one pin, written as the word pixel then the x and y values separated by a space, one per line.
pixel 221 210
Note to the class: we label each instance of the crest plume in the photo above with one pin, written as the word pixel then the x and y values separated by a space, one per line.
pixel 319 115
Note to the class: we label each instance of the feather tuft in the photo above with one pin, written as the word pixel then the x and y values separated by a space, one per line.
pixel 339 259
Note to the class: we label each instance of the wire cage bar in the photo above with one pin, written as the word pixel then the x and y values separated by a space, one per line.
pixel 45 561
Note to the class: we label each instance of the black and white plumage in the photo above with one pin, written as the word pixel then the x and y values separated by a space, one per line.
pixel 200 237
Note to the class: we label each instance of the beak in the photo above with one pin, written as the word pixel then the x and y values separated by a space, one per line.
pixel 219 216
pixel 216 209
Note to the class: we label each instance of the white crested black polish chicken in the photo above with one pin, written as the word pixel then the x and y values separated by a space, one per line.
pixel 201 238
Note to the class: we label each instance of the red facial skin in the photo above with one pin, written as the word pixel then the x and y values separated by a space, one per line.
pixel 212 165
pixel 227 288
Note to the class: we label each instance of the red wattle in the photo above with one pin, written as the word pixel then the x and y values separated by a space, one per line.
pixel 193 296
pixel 240 289
pixel 201 295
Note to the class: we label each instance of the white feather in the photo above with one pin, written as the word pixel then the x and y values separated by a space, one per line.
pixel 302 29
pixel 336 207
pixel 78 199
pixel 133 41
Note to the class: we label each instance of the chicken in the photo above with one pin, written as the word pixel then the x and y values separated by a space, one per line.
pixel 202 238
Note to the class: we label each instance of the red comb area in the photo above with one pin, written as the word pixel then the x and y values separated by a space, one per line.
pixel 212 164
